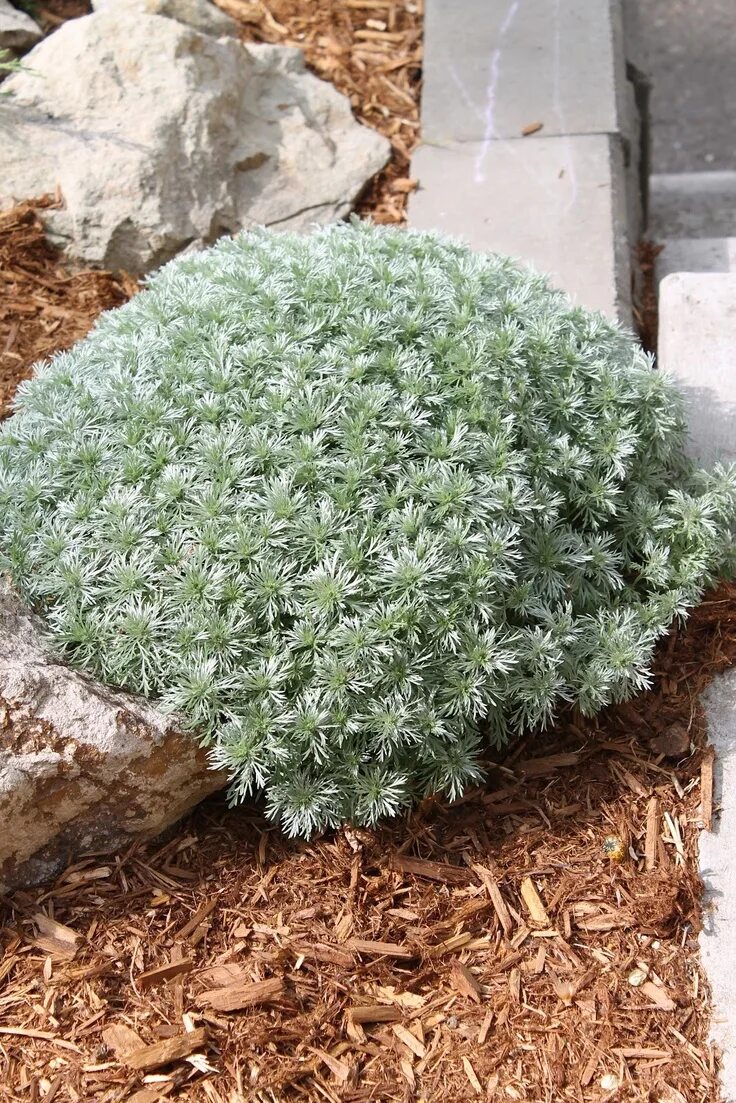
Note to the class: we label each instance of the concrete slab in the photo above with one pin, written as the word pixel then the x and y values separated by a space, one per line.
pixel 689 48
pixel 492 67
pixel 697 254
pixel 697 346
pixel 559 204
pixel 717 849
pixel 692 204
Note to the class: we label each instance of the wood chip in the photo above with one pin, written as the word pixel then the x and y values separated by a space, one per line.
pixel 58 931
pixel 650 845
pixel 657 995
pixel 433 871
pixel 465 982
pixel 199 916
pixel 56 938
pixel 404 185
pixel 485 1027
pixel 164 972
pixel 637 1054
pixel 548 764
pixel 379 36
pixel 497 899
pixel 247 11
pixel 122 1040
pixel 374 1013
pixel 222 976
pixel 608 921
pixel 533 901
pixel 409 1040
pixel 320 951
pixel 237 996
pixel 170 1049
pixel 41 1035
pixel 470 1073
pixel 339 1069
pixel 383 949
pixel 706 789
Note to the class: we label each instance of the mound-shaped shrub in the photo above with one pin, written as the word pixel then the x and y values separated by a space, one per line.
pixel 353 504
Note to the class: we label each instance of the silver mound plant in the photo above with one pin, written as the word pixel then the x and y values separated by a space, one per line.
pixel 356 505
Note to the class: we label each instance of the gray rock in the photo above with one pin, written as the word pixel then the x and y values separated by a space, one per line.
pixel 673 742
pixel 158 137
pixel 18 32
pixel 82 767
pixel 200 14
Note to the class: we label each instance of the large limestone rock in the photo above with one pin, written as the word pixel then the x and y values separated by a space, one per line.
pixel 161 138
pixel 200 14
pixel 18 32
pixel 82 768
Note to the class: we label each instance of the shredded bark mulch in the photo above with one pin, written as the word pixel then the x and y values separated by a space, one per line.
pixel 646 309
pixel 44 305
pixel 536 941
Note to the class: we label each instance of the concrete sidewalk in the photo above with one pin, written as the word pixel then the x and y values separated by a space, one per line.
pixel 530 139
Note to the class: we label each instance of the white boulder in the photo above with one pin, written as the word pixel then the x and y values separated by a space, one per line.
pixel 159 137
pixel 82 767
pixel 200 14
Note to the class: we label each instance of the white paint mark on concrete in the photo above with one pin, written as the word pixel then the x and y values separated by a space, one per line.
pixel 489 114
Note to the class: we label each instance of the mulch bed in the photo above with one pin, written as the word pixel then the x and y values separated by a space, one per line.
pixel 44 306
pixel 536 941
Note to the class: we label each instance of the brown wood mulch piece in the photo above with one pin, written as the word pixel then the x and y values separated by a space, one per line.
pixel 359 967
pixel 45 305
pixel 371 50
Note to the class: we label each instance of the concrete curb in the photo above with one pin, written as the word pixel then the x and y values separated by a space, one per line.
pixel 567 197
pixel 718 936
pixel 697 346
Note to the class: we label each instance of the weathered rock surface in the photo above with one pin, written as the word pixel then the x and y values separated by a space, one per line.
pixel 200 14
pixel 82 768
pixel 18 32
pixel 161 138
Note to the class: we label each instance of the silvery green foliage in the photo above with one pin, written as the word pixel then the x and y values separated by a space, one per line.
pixel 348 501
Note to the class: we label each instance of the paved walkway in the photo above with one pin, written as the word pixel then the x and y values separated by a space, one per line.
pixel 691 59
